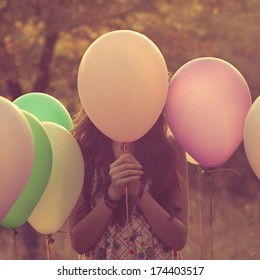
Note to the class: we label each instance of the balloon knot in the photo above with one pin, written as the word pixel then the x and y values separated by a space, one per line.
pixel 50 239
pixel 123 147
pixel 15 232
pixel 205 171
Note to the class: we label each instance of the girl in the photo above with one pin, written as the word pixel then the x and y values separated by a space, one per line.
pixel 150 221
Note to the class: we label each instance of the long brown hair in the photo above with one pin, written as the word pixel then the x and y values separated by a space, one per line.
pixel 154 151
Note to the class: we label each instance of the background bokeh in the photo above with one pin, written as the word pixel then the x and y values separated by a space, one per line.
pixel 41 45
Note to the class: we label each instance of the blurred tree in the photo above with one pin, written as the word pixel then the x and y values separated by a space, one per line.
pixel 32 29
pixel 42 42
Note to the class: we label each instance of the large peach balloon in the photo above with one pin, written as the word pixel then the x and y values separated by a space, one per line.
pixel 122 84
pixel 206 107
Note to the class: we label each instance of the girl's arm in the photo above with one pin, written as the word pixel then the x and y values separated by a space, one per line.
pixel 172 231
pixel 85 232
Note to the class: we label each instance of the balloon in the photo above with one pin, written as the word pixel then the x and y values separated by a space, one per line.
pixel 16 154
pixel 122 84
pixel 38 180
pixel 252 136
pixel 208 100
pixel 65 183
pixel 188 157
pixel 46 108
pixel 191 159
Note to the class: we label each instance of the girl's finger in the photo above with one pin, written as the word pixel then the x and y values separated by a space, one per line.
pixel 127 180
pixel 130 172
pixel 124 174
pixel 126 166
pixel 126 158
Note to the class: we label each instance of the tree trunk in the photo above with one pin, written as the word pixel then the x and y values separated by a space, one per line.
pixel 14 89
pixel 43 79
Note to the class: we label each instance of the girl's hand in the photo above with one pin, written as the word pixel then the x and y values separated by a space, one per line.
pixel 124 171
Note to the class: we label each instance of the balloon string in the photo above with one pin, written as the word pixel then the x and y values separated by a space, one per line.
pixel 200 215
pixel 209 171
pixel 228 169
pixel 126 202
pixel 126 189
pixel 48 240
pixel 15 232
pixel 200 225
pixel 123 148
pixel 127 221
pixel 211 220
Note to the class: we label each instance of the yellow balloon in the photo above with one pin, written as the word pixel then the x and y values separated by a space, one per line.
pixel 252 137
pixel 65 183
pixel 191 160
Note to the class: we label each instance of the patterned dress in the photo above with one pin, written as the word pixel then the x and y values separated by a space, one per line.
pixel 133 240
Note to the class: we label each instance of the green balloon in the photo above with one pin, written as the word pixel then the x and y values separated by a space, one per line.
pixel 46 108
pixel 35 187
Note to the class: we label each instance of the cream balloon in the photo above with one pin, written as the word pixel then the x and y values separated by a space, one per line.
pixel 123 84
pixel 65 183
pixel 252 136
pixel 191 160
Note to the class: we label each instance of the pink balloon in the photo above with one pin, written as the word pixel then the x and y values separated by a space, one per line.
pixel 207 104
pixel 16 154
